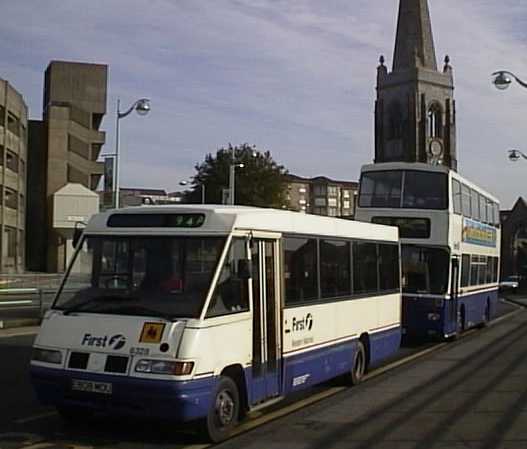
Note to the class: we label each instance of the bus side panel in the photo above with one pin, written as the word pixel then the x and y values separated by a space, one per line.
pixel 320 340
pixel 384 345
pixel 305 329
pixel 224 342
pixel 318 365
pixel 425 317
pixel 475 305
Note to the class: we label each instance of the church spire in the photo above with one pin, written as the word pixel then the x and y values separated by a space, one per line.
pixel 414 45
pixel 415 111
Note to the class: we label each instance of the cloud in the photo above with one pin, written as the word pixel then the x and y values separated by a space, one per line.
pixel 294 77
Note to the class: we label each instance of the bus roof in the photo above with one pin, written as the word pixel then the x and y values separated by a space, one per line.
pixel 225 219
pixel 419 166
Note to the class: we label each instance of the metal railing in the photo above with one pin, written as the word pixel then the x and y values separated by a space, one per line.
pixel 25 303
pixel 30 280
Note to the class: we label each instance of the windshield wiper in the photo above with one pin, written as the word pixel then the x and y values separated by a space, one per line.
pixel 99 300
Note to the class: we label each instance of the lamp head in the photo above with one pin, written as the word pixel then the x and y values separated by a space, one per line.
pixel 514 155
pixel 501 80
pixel 183 183
pixel 142 106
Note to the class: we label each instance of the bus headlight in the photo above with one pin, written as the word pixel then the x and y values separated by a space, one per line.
pixel 47 356
pixel 434 316
pixel 164 367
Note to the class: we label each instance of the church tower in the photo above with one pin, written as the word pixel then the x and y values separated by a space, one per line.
pixel 415 116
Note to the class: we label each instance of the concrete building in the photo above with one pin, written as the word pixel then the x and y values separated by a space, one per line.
pixel 13 163
pixel 514 242
pixel 322 196
pixel 415 116
pixel 63 148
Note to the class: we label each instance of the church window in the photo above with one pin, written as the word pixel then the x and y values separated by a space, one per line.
pixel 435 121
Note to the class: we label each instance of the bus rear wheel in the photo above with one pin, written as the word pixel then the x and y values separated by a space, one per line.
pixel 223 413
pixel 486 316
pixel 358 367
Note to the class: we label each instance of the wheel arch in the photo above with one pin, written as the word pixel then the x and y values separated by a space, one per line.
pixel 365 339
pixel 237 374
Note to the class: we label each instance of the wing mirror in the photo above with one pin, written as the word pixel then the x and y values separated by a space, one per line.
pixel 77 233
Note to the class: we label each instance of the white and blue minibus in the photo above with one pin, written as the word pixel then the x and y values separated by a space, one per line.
pixel 208 312
pixel 450 244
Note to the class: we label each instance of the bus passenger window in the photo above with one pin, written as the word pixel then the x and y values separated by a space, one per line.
pixel 365 274
pixel 334 268
pixel 300 270
pixel 465 270
pixel 466 201
pixel 456 197
pixel 388 267
pixel 231 294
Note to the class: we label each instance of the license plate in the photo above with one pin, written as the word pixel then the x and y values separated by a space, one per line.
pixel 91 387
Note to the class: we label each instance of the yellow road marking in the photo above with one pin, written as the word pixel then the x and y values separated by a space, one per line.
pixel 39 446
pixel 35 417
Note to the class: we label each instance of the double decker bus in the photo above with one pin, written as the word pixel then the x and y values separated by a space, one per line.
pixel 207 312
pixel 450 236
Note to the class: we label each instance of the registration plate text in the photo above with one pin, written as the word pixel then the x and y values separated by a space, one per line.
pixel 91 387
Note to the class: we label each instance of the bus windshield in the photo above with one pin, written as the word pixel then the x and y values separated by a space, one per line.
pixel 404 189
pixel 425 270
pixel 167 277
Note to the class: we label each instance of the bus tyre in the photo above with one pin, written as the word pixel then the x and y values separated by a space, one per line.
pixel 224 410
pixel 359 364
pixel 486 317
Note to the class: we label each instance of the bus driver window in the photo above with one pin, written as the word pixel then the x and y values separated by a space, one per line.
pixel 231 294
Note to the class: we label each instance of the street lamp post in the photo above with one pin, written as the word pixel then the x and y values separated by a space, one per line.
pixel 516 155
pixel 142 107
pixel 503 79
pixel 186 183
pixel 232 174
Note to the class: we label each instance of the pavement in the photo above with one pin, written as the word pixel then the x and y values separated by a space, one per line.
pixel 466 394
pixel 469 394
pixel 516 298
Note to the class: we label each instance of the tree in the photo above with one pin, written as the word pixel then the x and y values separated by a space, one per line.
pixel 261 182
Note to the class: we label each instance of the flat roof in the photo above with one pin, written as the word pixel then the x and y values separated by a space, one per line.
pixel 221 219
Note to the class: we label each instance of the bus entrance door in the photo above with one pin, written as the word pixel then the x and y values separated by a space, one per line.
pixel 267 358
pixel 451 312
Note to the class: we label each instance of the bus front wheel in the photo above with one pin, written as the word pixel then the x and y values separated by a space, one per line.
pixel 359 364
pixel 224 410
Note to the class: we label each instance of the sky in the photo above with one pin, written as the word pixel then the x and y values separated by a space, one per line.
pixel 295 77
